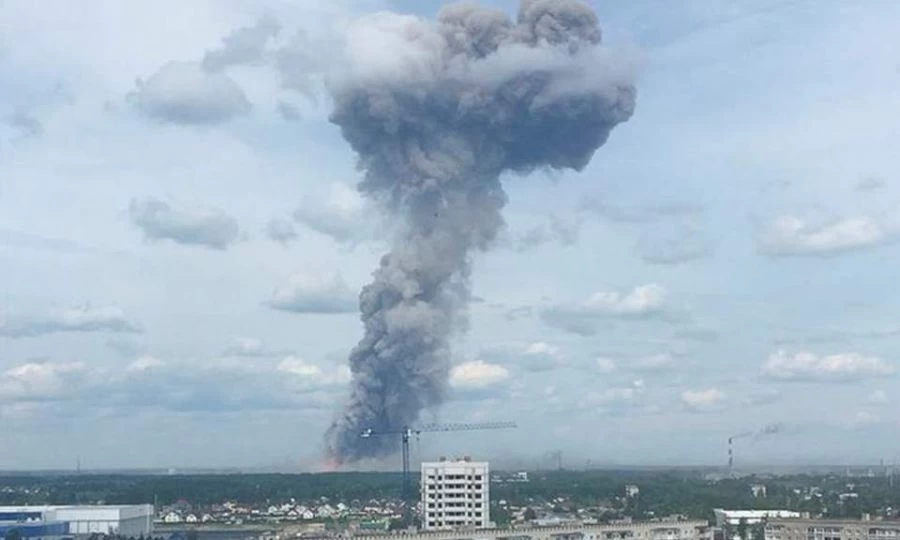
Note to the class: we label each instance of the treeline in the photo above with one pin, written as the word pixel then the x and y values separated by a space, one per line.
pixel 661 493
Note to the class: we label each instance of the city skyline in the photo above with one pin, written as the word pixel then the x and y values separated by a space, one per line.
pixel 181 244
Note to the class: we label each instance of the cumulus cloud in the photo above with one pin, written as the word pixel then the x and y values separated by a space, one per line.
pixel 477 375
pixel 85 318
pixel 314 293
pixel 243 46
pixel 340 214
pixel 39 381
pixel 581 318
pixel 281 231
pixel 149 383
pixel 198 226
pixel 794 236
pixel 702 400
pixel 806 366
pixel 299 367
pixel 186 93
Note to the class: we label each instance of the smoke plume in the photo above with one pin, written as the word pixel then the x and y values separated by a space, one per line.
pixel 436 112
pixel 769 429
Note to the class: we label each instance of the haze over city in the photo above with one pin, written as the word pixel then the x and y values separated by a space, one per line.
pixel 182 243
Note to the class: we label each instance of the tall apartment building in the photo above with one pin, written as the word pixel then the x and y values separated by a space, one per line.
pixel 455 494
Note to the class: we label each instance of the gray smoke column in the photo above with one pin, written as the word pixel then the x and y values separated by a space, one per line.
pixel 436 112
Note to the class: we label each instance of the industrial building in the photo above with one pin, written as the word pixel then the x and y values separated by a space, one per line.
pixel 831 529
pixel 455 494
pixel 47 522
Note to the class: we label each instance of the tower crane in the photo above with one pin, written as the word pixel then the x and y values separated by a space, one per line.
pixel 408 431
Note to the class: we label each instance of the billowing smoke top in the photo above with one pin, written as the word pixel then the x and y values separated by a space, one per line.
pixel 437 111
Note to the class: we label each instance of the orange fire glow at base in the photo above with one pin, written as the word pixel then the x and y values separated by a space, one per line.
pixel 329 465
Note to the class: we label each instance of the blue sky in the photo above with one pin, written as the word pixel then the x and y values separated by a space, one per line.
pixel 180 252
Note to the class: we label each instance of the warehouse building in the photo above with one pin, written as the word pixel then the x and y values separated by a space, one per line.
pixel 73 521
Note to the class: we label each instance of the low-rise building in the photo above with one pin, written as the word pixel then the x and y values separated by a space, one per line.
pixel 832 529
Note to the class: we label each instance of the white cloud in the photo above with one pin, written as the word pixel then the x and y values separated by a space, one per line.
pixel 38 381
pixel 534 356
pixel 702 399
pixel 198 226
pixel 477 374
pixel 878 397
pixel 314 293
pixel 299 367
pixel 540 356
pixel 794 236
pixel 340 214
pixel 186 93
pixel 84 318
pixel 806 366
pixel 581 318
pixel 144 363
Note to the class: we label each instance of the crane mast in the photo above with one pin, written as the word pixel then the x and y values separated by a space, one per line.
pixel 406 432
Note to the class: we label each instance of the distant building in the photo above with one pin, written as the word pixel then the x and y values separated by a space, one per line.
pixel 123 520
pixel 746 524
pixel 632 491
pixel 455 494
pixel 758 491
pixel 831 529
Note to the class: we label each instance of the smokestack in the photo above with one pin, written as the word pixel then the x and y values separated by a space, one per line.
pixel 436 112
pixel 730 458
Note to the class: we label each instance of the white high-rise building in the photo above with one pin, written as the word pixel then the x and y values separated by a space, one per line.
pixel 455 494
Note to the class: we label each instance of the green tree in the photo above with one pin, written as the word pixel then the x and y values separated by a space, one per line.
pixel 530 514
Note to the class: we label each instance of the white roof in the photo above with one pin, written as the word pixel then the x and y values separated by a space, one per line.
pixel 755 514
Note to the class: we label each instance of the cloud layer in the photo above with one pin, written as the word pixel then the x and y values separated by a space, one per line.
pixel 84 318
pixel 186 93
pixel 207 227
pixel 314 293
pixel 843 367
